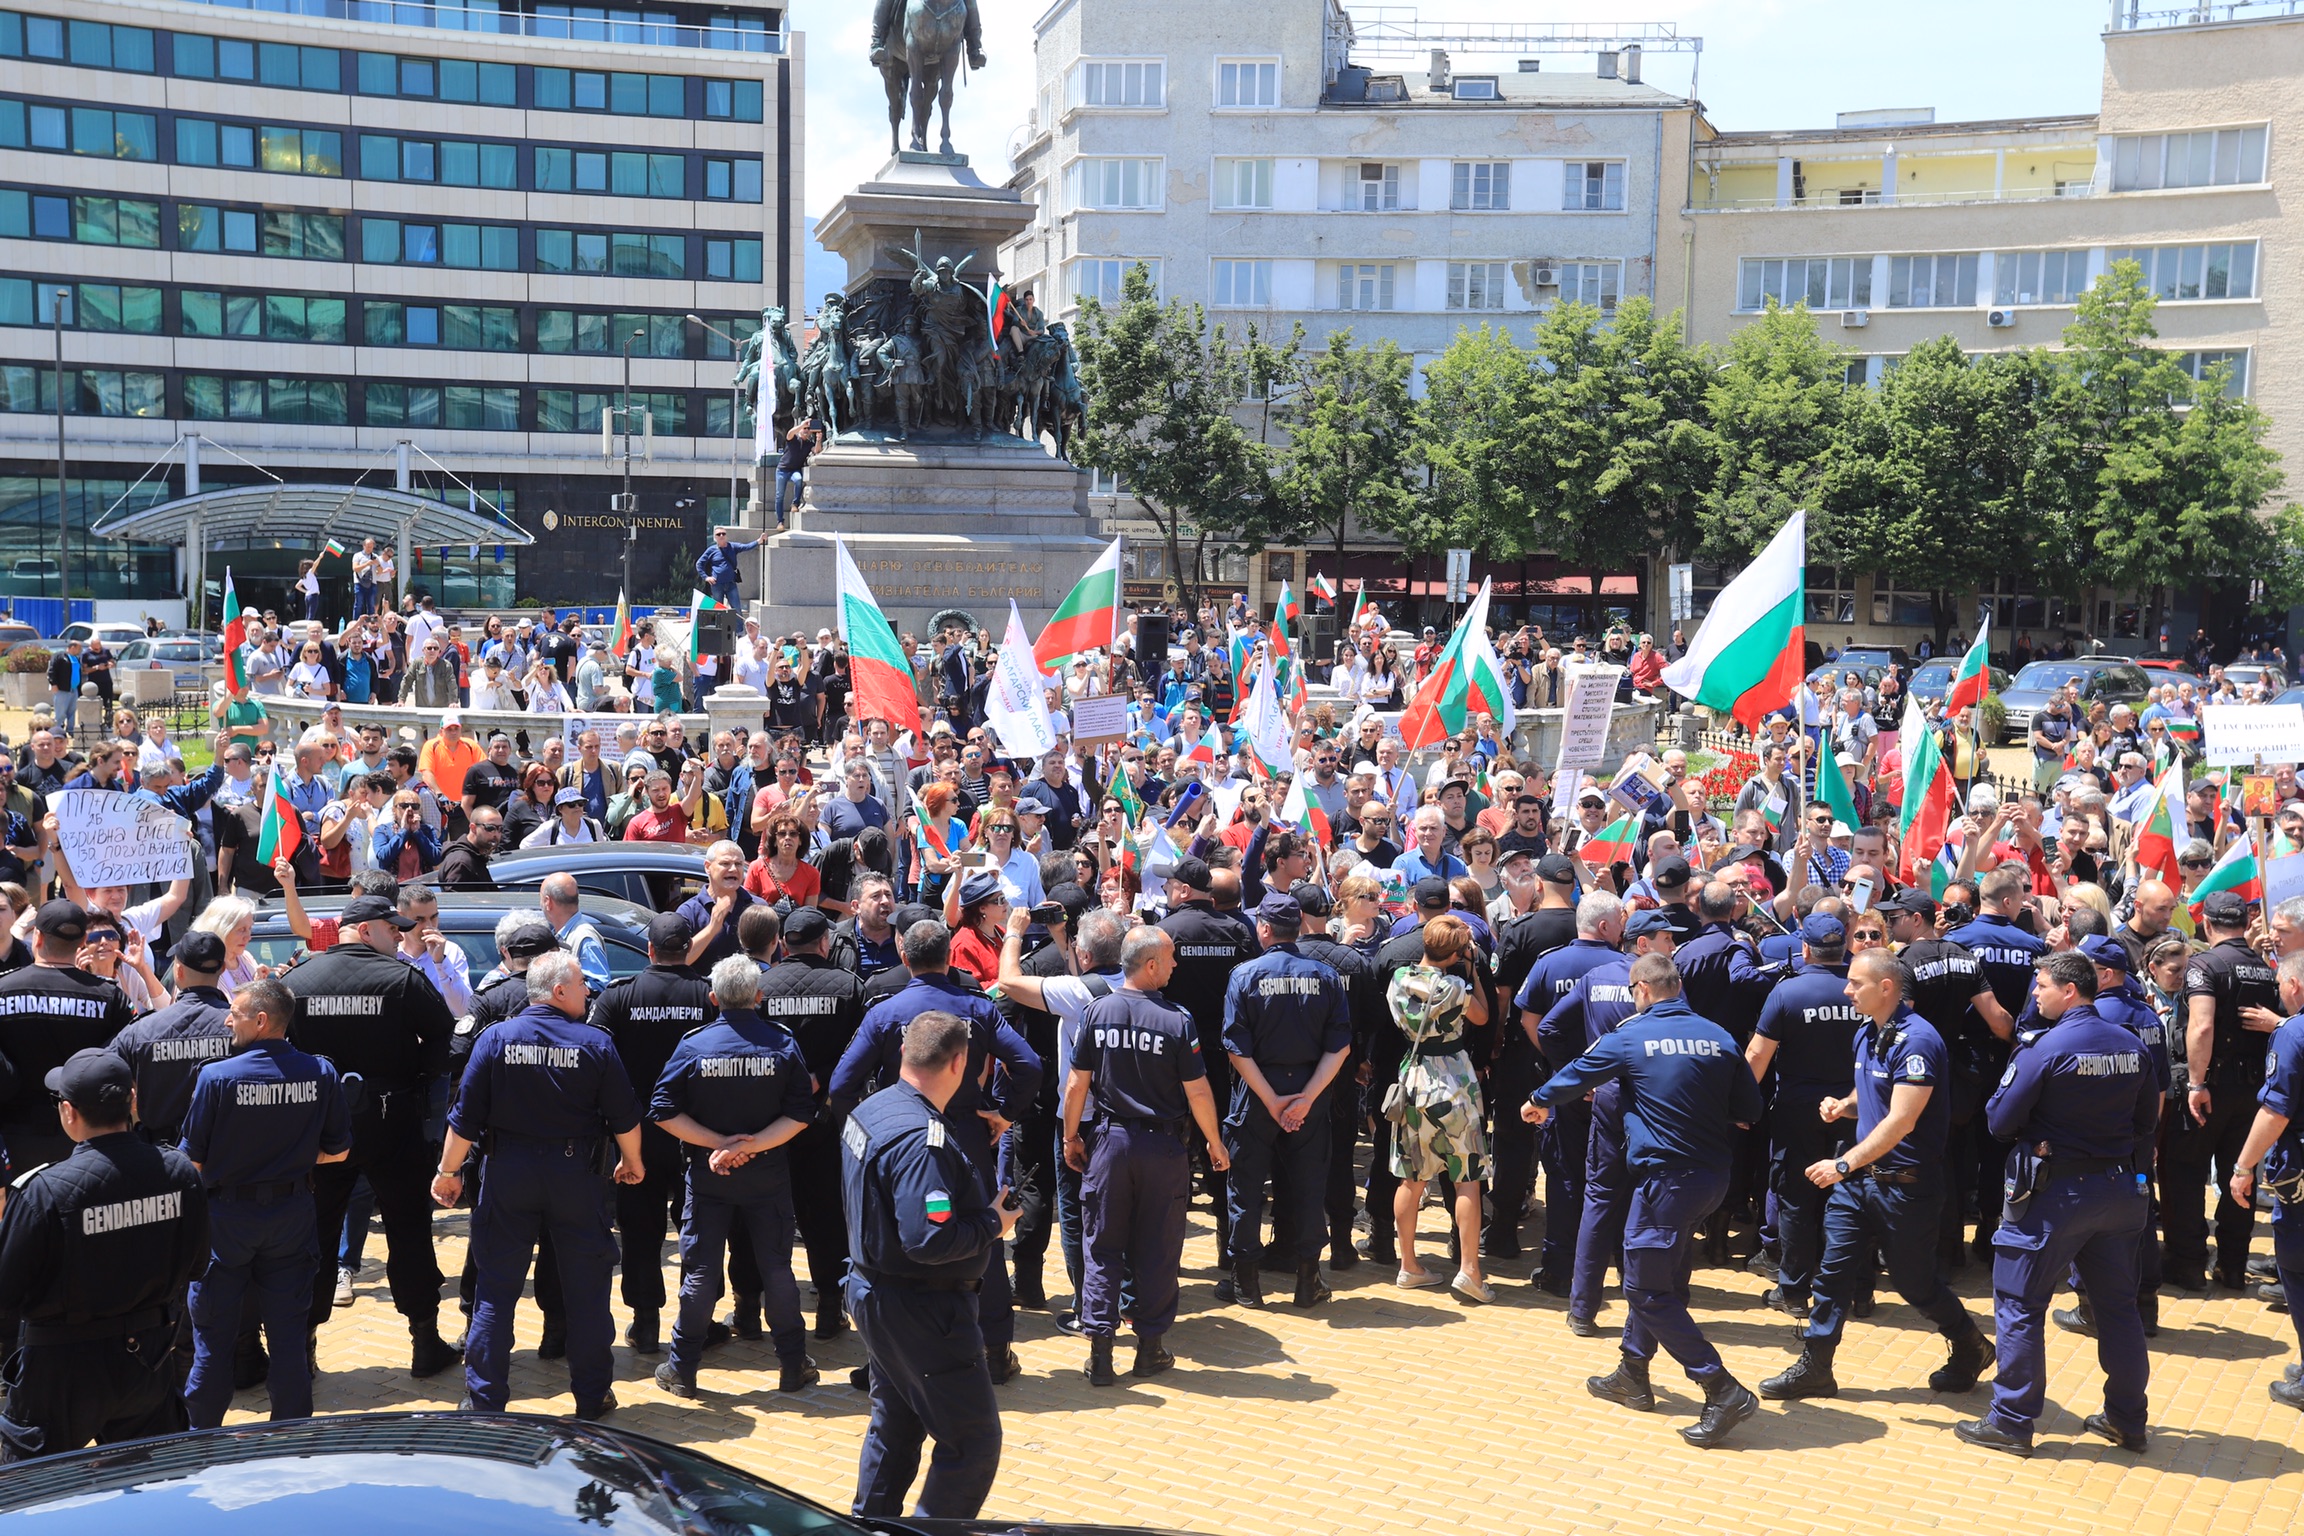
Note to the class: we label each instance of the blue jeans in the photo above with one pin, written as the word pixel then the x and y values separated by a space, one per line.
pixel 798 481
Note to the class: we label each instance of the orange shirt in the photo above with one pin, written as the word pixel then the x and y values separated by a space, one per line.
pixel 446 763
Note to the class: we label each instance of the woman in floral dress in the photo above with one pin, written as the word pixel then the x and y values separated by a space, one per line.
pixel 1438 1112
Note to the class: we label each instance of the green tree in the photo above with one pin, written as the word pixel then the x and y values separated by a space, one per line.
pixel 1351 455
pixel 1777 404
pixel 1472 427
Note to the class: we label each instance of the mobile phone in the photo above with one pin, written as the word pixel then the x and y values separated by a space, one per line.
pixel 1860 896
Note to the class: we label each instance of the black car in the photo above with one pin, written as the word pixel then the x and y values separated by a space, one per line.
pixel 657 876
pixel 1934 678
pixel 425 1474
pixel 469 920
pixel 2112 679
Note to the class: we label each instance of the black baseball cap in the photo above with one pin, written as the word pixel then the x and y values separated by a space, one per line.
pixel 1312 897
pixel 1191 873
pixel 670 933
pixel 1913 900
pixel 373 909
pixel 94 1082
pixel 532 939
pixel 1431 892
pixel 1669 873
pixel 61 920
pixel 805 925
pixel 202 952
pixel 2226 909
pixel 1557 868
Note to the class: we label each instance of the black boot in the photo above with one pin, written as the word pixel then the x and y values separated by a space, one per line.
pixel 2080 1319
pixel 1341 1253
pixel 1099 1369
pixel 1310 1292
pixel 1247 1284
pixel 797 1375
pixel 1028 1290
pixel 429 1354
pixel 554 1343
pixel 1627 1384
pixel 2101 1424
pixel 745 1319
pixel 1726 1405
pixel 1809 1376
pixel 1275 1260
pixel 1152 1356
pixel 1971 1353
pixel 830 1323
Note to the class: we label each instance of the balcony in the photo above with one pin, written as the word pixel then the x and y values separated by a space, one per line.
pixel 2014 174
pixel 575 23
pixel 2132 15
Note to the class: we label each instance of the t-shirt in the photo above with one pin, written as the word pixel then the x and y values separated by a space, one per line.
pixel 491 785
pixel 445 763
pixel 845 818
pixel 801 889
pixel 669 825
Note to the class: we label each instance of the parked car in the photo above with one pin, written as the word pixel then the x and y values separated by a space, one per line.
pixel 655 876
pixel 2114 679
pixel 1875 656
pixel 2177 667
pixel 469 919
pixel 117 636
pixel 182 655
pixel 2246 674
pixel 1934 678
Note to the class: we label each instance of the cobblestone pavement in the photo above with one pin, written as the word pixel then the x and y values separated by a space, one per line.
pixel 1384 1410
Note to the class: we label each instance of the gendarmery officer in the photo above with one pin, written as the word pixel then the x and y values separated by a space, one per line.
pixel 1209 948
pixel 822 1006
pixel 2276 1139
pixel 1807 1036
pixel 166 1049
pixel 2224 1063
pixel 1564 1141
pixel 922 1226
pixel 1139 1055
pixel 548 1093
pixel 49 1011
pixel 93 1250
pixel 382 1023
pixel 259 1121
pixel 735 1093
pixel 1688 1097
pixel 1288 1030
pixel 2080 1105
pixel 1885 1189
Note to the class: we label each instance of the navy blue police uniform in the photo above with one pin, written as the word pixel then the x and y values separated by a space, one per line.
pixel 2133 1011
pixel 1946 983
pixel 47 1013
pixel 258 1121
pixel 165 1051
pixel 1687 1091
pixel 1520 943
pixel 1814 1027
pixel 872 1058
pixel 2080 1106
pixel 2283 1172
pixel 1285 1012
pixel 1563 1142
pixel 94 1250
pixel 2004 958
pixel 544 1093
pixel 1366 996
pixel 2232 977
pixel 735 1076
pixel 1139 1051
pixel 493 1003
pixel 822 1006
pixel 1209 948
pixel 921 1235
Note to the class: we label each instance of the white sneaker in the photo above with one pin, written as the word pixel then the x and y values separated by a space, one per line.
pixel 343 1287
pixel 1417 1280
pixel 1470 1289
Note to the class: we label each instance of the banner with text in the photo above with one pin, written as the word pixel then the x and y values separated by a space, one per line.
pixel 1584 717
pixel 112 838
pixel 2248 733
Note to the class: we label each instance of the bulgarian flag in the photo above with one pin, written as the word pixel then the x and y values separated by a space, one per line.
pixel 1288 611
pixel 1973 679
pixel 932 835
pixel 235 637
pixel 1359 608
pixel 1947 862
pixel 996 306
pixel 2237 871
pixel 698 602
pixel 1748 658
pixel 1467 680
pixel 1089 617
pixel 880 678
pixel 1832 788
pixel 1303 812
pixel 1284 671
pixel 1207 749
pixel 2184 730
pixel 332 547
pixel 1612 842
pixel 282 831
pixel 621 640
pixel 2158 838
pixel 1322 588
pixel 1928 796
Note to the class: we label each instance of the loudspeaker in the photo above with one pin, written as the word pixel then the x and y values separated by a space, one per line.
pixel 716 631
pixel 1151 643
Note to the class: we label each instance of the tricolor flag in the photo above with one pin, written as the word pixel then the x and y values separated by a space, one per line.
pixel 996 306
pixel 1285 675
pixel 933 836
pixel 1929 796
pixel 1288 610
pixel 1748 658
pixel 2184 730
pixel 1774 810
pixel 335 547
pixel 1467 680
pixel 880 678
pixel 2161 832
pixel 620 640
pixel 698 602
pixel 281 832
pixel 1322 588
pixel 1303 812
pixel 1833 790
pixel 1972 679
pixel 2237 871
pixel 1265 724
pixel 1207 749
pixel 1612 842
pixel 235 637
pixel 1089 618
pixel 1948 859
pixel 1360 609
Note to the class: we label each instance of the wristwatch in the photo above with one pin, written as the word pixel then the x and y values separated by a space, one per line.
pixel 1841 1167
pixel 2195 1087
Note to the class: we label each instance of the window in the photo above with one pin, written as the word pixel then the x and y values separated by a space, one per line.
pixel 2199 365
pixel 1104 278
pixel 1244 183
pixel 493 247
pixel 87 391
pixel 305 402
pixel 268 232
pixel 1482 186
pixel 2039 277
pixel 1379 187
pixel 292 151
pixel 83 220
pixel 2176 272
pixel 1102 482
pixel 735 180
pixel 1364 285
pixel 470 408
pixel 736 100
pixel 1591 282
pixel 88 44
pixel 91 307
pixel 272 316
pixel 1476 284
pixel 1118 83
pixel 1831 594
pixel 1475 88
pixel 1593 186
pixel 1240 284
pixel 567 410
pixel 1897 605
pixel 94 131
pixel 1821 282
pixel 1931 282
pixel 1248 83
pixel 450 162
pixel 634 95
pixel 2212 158
pixel 1115 183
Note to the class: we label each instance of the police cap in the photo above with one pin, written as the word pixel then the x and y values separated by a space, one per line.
pixel 61 920
pixel 202 952
pixel 1192 873
pixel 1823 930
pixel 805 926
pixel 94 1082
pixel 373 909
pixel 670 934
pixel 2106 951
pixel 1280 913
pixel 2226 909
pixel 1647 920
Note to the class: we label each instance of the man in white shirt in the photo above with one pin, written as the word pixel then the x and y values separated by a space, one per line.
pixel 423 624
pixel 157 748
pixel 752 663
pixel 425 947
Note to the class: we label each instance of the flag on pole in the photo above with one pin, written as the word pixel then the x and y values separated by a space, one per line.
pixel 2237 871
pixel 621 639
pixel 282 832
pixel 1016 704
pixel 1285 674
pixel 1612 842
pixel 996 306
pixel 235 637
pixel 1303 812
pixel 880 679
pixel 2158 838
pixel 1359 609
pixel 1748 658
pixel 698 602
pixel 1947 863
pixel 1928 796
pixel 1467 680
pixel 1973 679
pixel 333 547
pixel 932 835
pixel 1288 610
pixel 1131 807
pixel 1832 789
pixel 1089 618
pixel 1207 749
pixel 1322 588
pixel 1266 724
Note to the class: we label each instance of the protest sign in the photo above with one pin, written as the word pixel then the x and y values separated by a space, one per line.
pixel 2247 733
pixel 1098 719
pixel 1584 717
pixel 111 838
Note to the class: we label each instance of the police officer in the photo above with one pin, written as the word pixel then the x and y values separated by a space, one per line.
pixel 2080 1105
pixel 2276 1139
pixel 2005 954
pixel 381 1021
pixel 1288 1030
pixel 1139 1055
pixel 978 1116
pixel 1209 948
pixel 1949 986
pixel 49 1011
pixel 1885 1189
pixel 547 1091
pixel 259 1121
pixel 2118 1000
pixel 1564 1139
pixel 646 1015
pixel 736 1092
pixel 822 1006
pixel 922 1228
pixel 1688 1095
pixel 1520 943
pixel 166 1049
pixel 1369 1015
pixel 1807 1034
pixel 1600 1000
pixel 93 1249
pixel 2224 1060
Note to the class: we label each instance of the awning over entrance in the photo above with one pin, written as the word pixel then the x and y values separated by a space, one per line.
pixel 311 514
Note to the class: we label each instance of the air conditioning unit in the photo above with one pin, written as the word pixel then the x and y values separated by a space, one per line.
pixel 2001 319
pixel 1855 319
pixel 1544 276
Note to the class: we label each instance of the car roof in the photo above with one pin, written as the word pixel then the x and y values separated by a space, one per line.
pixel 470 909
pixel 615 855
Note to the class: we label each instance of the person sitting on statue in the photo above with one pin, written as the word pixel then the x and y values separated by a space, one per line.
pixel 888 16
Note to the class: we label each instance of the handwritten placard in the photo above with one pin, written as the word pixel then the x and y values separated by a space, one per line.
pixel 1584 718
pixel 112 838
pixel 1099 718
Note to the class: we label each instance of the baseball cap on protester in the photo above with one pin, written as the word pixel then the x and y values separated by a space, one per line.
pixel 373 909
pixel 805 925
pixel 1670 873
pixel 670 933
pixel 96 1083
pixel 1431 893
pixel 532 939
pixel 1557 869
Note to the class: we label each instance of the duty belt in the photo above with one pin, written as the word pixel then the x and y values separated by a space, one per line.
pixel 1173 1128
pixel 566 1146
pixel 2077 1167
pixel 266 1193
pixel 1880 1175
pixel 893 1282
pixel 99 1328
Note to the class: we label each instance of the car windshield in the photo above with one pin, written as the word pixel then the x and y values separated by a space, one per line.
pixel 1933 675
pixel 734 1505
pixel 2043 675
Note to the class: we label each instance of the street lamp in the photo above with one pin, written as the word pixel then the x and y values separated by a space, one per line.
pixel 735 414
pixel 626 505
pixel 62 297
